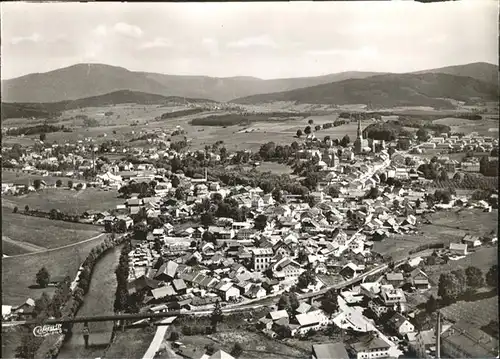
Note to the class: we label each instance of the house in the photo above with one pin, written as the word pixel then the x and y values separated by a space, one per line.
pixel 6 311
pixel 26 309
pixel 425 344
pixel 471 241
pixel 287 269
pixel 162 292
pixel 167 271
pixel 395 279
pixel 329 351
pixel 179 286
pixel 256 292
pixel 227 291
pixel 312 320
pixel 458 248
pixel 391 296
pixel 245 233
pixel 400 325
pixel 351 270
pixel 418 279
pixel 370 346
pixel 278 314
pixel 261 258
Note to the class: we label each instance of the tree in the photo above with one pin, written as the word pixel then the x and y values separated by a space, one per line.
pixel 431 305
pixel 209 237
pixel 216 316
pixel 474 277
pixel 180 194
pixel 37 184
pixel 79 186
pixel 329 302
pixel 310 122
pixel 299 133
pixel 140 231
pixel 207 219
pixel 174 336
pixel 70 184
pixel 326 138
pixel 373 193
pixel 305 279
pixel 43 277
pixel 449 287
pixel 175 181
pixel 443 176
pixel 422 134
pixel 237 350
pixel 15 209
pixel 307 130
pixel 26 209
pixel 43 136
pixel 317 127
pixel 58 183
pixel 260 222
pixel 345 141
pixel 333 192
pixel 283 332
pixel 492 276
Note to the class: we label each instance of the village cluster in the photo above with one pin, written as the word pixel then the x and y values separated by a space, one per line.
pixel 285 247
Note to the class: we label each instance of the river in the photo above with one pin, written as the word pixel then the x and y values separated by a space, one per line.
pixel 98 301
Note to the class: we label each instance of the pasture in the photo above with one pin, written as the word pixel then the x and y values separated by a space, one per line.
pixel 477 313
pixel 483 258
pixel 13 176
pixel 30 234
pixel 482 127
pixel 18 273
pixel 132 343
pixel 446 227
pixel 68 201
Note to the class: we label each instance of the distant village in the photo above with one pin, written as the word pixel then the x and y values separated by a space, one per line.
pixel 195 253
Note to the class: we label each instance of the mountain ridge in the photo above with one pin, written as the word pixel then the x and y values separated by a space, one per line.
pixel 86 80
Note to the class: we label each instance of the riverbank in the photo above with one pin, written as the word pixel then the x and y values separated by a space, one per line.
pixel 98 301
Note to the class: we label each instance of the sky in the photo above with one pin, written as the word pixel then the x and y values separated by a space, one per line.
pixel 266 40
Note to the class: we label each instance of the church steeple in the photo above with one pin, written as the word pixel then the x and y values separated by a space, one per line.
pixel 360 135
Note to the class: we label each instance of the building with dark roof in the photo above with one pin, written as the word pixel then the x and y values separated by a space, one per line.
pixel 464 341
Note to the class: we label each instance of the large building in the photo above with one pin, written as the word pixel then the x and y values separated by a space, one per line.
pixel 262 258
pixel 359 143
pixel 464 341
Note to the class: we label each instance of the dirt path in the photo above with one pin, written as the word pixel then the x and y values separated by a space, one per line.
pixel 24 245
pixel 55 249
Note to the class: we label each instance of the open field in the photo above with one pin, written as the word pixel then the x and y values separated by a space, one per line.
pixel 43 233
pixel 132 343
pixel 12 176
pixel 477 313
pixel 446 227
pixel 68 201
pixel 483 258
pixel 255 345
pixel 18 273
pixel 482 126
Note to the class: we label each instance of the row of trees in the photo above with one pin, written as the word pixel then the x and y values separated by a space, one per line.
pixel 456 283
pixel 34 130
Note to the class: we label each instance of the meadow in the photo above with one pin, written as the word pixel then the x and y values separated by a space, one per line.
pixel 34 234
pixel 68 201
pixel 18 273
pixel 478 313
pixel 446 227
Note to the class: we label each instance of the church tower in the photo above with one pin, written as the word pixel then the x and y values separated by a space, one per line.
pixel 358 143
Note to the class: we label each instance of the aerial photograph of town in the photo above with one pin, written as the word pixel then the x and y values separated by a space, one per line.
pixel 250 180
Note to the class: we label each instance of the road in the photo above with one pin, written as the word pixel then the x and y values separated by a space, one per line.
pixel 161 330
pixel 55 249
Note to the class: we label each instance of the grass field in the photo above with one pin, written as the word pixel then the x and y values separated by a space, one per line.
pixel 477 313
pixel 132 344
pixel 483 258
pixel 9 176
pixel 255 345
pixel 41 232
pixel 18 273
pixel 467 126
pixel 67 201
pixel 447 227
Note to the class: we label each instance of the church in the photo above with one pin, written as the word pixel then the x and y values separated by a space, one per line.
pixel 360 143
